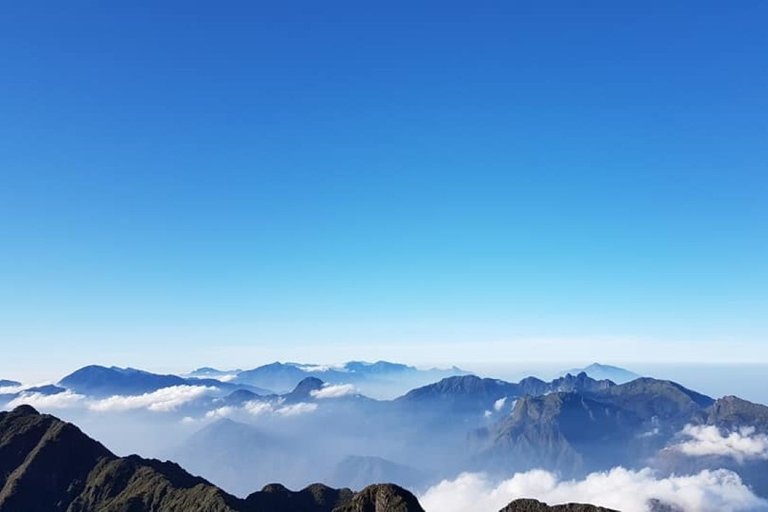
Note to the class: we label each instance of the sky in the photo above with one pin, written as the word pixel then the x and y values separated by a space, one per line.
pixel 205 183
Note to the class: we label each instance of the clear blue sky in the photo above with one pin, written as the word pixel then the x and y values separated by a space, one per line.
pixel 184 183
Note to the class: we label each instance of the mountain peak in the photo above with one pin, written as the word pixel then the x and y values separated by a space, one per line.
pixel 23 410
pixel 531 505
pixel 305 387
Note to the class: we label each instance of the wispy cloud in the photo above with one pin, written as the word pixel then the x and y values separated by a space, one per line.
pixel 296 409
pixel 742 444
pixel 619 488
pixel 255 408
pixel 333 391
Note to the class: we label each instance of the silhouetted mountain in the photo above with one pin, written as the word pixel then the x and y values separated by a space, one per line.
pixel 97 380
pixel 606 372
pixel 303 390
pixel 529 505
pixel 240 396
pixel 5 383
pixel 100 381
pixel 47 389
pixel 49 465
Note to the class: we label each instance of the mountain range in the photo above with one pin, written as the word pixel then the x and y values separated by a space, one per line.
pixel 50 465
pixel 604 371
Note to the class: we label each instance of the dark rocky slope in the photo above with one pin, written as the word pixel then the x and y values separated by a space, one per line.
pixel 528 505
pixel 49 465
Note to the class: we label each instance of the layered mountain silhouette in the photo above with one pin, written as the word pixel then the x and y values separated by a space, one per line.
pixel 606 372
pixel 285 376
pixel 472 394
pixel 101 381
pixel 593 429
pixel 47 465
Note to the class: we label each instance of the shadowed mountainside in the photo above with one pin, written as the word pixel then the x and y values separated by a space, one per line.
pixel 47 465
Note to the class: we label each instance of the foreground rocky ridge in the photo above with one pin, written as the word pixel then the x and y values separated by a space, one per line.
pixel 529 505
pixel 50 465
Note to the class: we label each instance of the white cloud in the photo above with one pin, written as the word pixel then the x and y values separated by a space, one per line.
pixel 5 390
pixel 619 488
pixel 333 391
pixel 296 409
pixel 499 404
pixel 741 445
pixel 63 400
pixel 316 367
pixel 221 412
pixel 258 408
pixel 162 400
pixel 255 408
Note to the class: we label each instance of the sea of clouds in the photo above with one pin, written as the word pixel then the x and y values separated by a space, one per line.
pixel 623 489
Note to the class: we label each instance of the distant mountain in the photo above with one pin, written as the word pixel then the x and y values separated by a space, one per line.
pixel 100 381
pixel 47 464
pixel 241 456
pixel 594 429
pixel 47 389
pixel 529 505
pixel 5 383
pixel 206 372
pixel 472 394
pixel 653 398
pixel 566 432
pixel 357 471
pixel 606 372
pixel 731 412
pixel 285 376
pixel 731 416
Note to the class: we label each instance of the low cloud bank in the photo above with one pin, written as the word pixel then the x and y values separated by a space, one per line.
pixel 703 440
pixel 619 488
pixel 163 400
pixel 333 391
pixel 62 400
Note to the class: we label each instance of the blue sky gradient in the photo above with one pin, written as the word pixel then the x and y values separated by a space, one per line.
pixel 188 183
